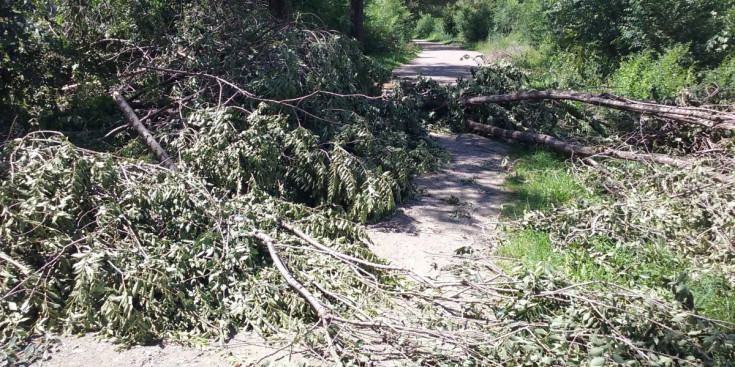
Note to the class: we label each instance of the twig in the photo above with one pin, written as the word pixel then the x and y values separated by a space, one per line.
pixel 18 265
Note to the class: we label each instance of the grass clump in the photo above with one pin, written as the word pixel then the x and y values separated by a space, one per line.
pixel 540 179
pixel 397 57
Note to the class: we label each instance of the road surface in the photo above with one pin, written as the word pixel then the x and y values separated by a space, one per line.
pixel 442 63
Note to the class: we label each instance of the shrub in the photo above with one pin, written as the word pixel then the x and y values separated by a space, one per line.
pixel 660 77
pixel 719 83
pixel 426 25
pixel 659 24
pixel 518 16
pixel 473 20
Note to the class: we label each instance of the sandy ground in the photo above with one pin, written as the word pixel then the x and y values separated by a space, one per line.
pixel 245 349
pixel 442 63
pixel 457 207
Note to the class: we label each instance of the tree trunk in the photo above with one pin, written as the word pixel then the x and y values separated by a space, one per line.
pixel 694 115
pixel 279 8
pixel 580 150
pixel 357 10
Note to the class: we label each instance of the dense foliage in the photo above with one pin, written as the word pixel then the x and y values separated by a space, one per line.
pixel 604 44
pixel 389 25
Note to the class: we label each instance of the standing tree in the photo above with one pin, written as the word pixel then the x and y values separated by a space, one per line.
pixel 279 8
pixel 357 12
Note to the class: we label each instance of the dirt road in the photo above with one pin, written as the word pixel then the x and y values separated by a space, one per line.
pixel 442 63
pixel 457 208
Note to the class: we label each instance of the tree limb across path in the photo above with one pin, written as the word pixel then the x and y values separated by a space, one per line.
pixel 148 138
pixel 586 151
pixel 706 117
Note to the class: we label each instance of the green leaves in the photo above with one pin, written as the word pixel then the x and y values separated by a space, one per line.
pixel 597 362
pixel 156 254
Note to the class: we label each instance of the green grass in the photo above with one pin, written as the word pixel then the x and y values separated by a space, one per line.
pixel 647 265
pixel 441 37
pixel 393 59
pixel 541 179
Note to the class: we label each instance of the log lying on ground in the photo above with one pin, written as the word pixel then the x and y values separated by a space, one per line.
pixel 694 115
pixel 148 138
pixel 584 151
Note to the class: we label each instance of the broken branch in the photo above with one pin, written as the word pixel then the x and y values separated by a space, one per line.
pixel 148 138
pixel 585 151
pixel 701 116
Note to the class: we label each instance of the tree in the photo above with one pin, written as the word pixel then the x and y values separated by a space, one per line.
pixel 357 13
pixel 279 8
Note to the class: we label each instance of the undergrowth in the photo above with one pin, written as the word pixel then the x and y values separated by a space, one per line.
pixel 540 179
pixel 394 58
pixel 544 181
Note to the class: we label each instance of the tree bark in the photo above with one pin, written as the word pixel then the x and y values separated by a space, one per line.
pixel 357 12
pixel 148 138
pixel 580 150
pixel 694 115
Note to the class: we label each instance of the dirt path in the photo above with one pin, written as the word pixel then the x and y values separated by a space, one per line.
pixel 457 208
pixel 442 63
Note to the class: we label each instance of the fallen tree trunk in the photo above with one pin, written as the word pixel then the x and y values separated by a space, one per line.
pixel 148 138
pixel 695 115
pixel 580 150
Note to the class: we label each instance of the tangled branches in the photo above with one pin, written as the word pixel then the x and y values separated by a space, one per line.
pixel 102 243
pixel 280 150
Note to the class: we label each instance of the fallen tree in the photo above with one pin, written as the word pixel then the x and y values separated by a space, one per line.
pixel 579 150
pixel 586 151
pixel 706 117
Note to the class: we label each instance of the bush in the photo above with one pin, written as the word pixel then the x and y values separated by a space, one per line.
pixel 517 16
pixel 473 20
pixel 719 83
pixel 426 25
pixel 618 28
pixel 658 77
pixel 657 24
